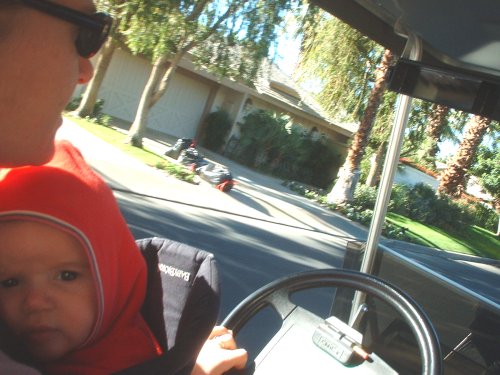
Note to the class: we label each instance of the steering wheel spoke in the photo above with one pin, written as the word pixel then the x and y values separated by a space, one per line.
pixel 280 301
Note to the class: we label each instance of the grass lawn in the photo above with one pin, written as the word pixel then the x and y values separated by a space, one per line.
pixel 472 240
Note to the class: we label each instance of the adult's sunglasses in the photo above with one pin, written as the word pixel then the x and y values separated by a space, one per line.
pixel 93 28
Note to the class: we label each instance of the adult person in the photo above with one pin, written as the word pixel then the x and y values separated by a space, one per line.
pixel 39 67
pixel 45 48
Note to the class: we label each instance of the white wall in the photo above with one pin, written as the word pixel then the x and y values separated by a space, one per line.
pixel 411 176
pixel 177 113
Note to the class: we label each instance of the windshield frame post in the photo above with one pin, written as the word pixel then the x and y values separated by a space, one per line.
pixel 413 51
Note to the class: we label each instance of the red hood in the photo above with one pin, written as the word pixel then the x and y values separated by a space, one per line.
pixel 67 194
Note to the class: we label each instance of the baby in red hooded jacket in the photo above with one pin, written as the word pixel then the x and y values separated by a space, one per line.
pixel 72 280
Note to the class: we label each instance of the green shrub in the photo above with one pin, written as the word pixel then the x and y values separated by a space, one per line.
pixel 97 116
pixel 400 199
pixel 365 216
pixel 418 202
pixel 322 200
pixel 104 120
pixel 178 171
pixel 393 231
pixel 446 214
pixel 484 216
pixel 258 130
pixel 311 194
pixel 272 144
pixel 161 165
pixel 365 196
pixel 422 197
pixel 73 103
pixel 217 127
pixel 465 213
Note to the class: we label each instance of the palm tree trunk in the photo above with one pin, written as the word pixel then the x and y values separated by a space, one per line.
pixel 453 179
pixel 89 98
pixel 435 127
pixel 343 190
pixel 136 131
pixel 376 165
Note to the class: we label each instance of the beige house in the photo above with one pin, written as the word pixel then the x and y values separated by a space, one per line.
pixel 194 93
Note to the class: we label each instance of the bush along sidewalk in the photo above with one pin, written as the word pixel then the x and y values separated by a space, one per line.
pixel 419 203
pixel 179 171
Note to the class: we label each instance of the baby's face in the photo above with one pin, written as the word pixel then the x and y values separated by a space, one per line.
pixel 47 292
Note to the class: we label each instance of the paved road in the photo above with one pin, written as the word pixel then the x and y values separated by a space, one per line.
pixel 260 231
pixel 255 241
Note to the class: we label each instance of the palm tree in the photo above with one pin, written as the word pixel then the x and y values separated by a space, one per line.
pixel 348 176
pixel 453 179
pixel 435 127
pixel 376 165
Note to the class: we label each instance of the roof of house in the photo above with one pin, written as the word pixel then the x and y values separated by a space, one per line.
pixel 473 190
pixel 272 82
pixel 419 167
pixel 279 88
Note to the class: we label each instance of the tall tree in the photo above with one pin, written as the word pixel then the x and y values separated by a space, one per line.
pixel 89 97
pixel 378 140
pixel 429 125
pixel 340 62
pixel 453 180
pixel 348 177
pixel 348 70
pixel 228 37
pixel 487 168
pixel 376 165
pixel 435 128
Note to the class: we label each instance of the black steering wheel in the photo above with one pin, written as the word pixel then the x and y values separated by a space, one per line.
pixel 277 295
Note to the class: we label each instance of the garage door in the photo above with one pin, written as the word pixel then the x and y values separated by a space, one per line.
pixel 177 113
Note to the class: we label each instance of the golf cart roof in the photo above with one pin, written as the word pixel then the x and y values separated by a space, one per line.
pixel 463 34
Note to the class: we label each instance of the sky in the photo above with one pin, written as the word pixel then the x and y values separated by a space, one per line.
pixel 287 53
pixel 288 47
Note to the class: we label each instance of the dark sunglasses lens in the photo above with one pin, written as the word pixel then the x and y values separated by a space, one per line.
pixel 89 41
